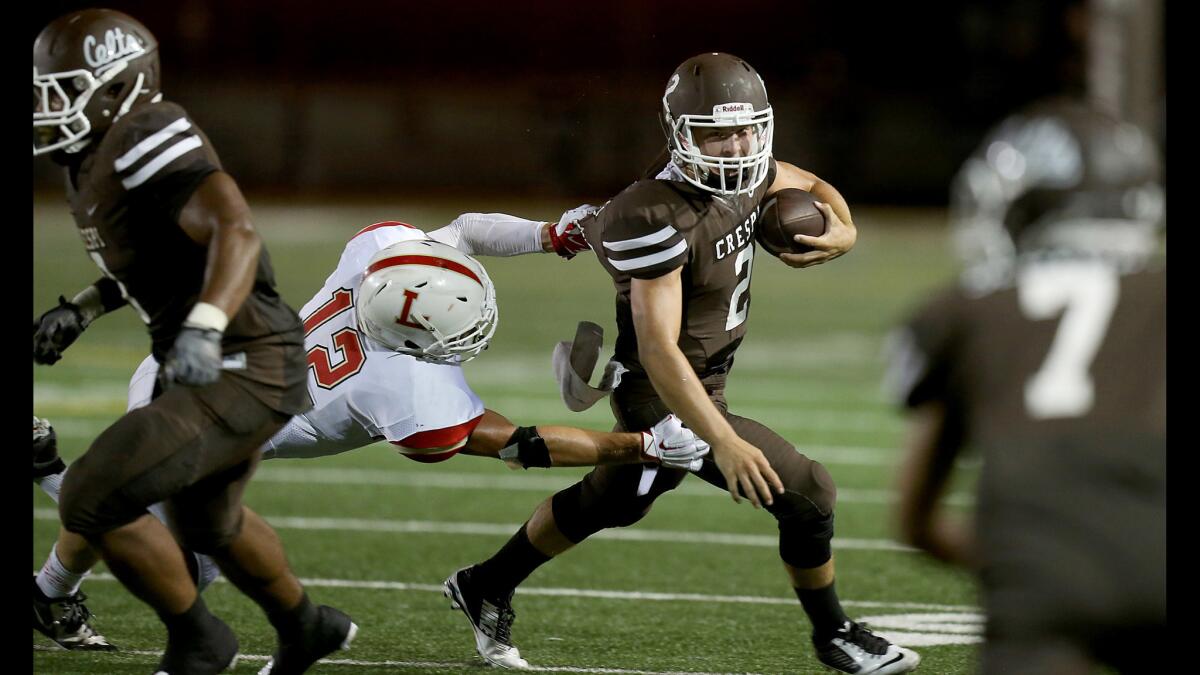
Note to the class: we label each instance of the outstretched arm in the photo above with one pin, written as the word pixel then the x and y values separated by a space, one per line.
pixel 499 234
pixel 567 446
pixel 667 443
pixel 496 234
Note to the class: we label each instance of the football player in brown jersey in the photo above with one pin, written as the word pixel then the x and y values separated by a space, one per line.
pixel 679 246
pixel 1048 357
pixel 172 235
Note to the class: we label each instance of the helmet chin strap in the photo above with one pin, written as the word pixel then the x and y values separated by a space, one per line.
pixel 76 147
pixel 128 102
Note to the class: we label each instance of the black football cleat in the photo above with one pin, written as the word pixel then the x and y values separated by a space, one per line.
pixel 211 651
pixel 332 631
pixel 490 619
pixel 65 620
pixel 855 649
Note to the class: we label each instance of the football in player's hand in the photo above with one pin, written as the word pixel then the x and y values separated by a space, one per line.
pixel 789 212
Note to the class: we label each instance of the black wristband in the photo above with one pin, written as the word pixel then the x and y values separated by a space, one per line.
pixel 111 296
pixel 531 448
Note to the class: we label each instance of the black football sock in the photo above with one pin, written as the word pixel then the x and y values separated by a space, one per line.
pixel 290 624
pixel 824 610
pixel 499 575
pixel 194 620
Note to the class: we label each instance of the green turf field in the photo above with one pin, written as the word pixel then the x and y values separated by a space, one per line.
pixel 697 586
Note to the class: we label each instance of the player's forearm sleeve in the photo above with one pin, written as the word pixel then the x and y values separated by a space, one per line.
pixel 495 234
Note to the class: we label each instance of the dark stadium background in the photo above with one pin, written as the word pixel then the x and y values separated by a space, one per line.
pixel 554 99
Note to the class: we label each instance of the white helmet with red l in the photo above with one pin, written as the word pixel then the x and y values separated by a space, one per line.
pixel 429 300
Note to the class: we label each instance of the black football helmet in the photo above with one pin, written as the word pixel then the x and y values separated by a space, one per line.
pixel 89 68
pixel 1059 178
pixel 718 90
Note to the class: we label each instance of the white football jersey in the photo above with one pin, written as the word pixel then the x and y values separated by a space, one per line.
pixel 361 391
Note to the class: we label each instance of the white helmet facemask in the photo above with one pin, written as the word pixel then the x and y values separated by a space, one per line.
pixel 60 120
pixel 55 109
pixel 714 173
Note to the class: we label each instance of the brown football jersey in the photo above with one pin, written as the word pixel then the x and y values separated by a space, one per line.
pixel 126 194
pixel 655 226
pixel 1060 382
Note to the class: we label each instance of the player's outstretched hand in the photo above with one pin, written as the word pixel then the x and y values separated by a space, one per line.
pixel 566 236
pixel 747 472
pixel 671 444
pixel 195 359
pixel 55 330
pixel 837 240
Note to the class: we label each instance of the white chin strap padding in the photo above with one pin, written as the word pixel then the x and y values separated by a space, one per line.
pixel 128 102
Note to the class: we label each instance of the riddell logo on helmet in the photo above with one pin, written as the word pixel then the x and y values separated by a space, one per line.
pixel 117 45
pixel 726 108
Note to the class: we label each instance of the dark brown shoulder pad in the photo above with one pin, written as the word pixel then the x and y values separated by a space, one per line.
pixel 641 229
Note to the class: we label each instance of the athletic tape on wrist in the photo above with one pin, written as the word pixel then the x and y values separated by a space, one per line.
pixel 204 315
pixel 647 446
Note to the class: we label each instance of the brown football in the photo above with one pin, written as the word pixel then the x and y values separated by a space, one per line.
pixel 788 212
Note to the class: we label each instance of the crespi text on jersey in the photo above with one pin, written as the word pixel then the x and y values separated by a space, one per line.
pixel 737 238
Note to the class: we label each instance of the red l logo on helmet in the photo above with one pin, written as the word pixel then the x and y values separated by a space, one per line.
pixel 409 296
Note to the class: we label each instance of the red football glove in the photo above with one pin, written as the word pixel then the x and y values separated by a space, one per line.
pixel 566 237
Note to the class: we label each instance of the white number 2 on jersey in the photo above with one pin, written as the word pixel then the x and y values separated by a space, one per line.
pixel 744 259
pixel 1086 293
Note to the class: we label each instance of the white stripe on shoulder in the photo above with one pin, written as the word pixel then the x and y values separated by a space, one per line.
pixel 627 244
pixel 168 156
pixel 138 151
pixel 648 260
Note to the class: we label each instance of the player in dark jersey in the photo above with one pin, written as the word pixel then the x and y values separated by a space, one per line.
pixel 172 235
pixel 679 246
pixel 1048 357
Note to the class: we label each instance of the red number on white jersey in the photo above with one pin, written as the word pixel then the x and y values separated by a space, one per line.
pixel 345 341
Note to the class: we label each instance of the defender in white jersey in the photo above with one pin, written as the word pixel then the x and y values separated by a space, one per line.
pixel 368 386
pixel 403 383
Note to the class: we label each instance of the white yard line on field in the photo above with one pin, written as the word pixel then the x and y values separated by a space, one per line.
pixel 639 596
pixel 437 665
pixel 787 418
pixel 506 530
pixel 446 480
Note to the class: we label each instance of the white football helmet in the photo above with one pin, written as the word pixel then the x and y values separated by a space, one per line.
pixel 429 300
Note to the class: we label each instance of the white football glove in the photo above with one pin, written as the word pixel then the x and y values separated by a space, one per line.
pixel 671 444
pixel 566 237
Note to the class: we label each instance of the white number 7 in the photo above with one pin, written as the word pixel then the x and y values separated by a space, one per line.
pixel 1063 387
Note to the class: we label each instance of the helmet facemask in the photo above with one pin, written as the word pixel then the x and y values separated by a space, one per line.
pixel 463 345
pixel 718 173
pixel 59 120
